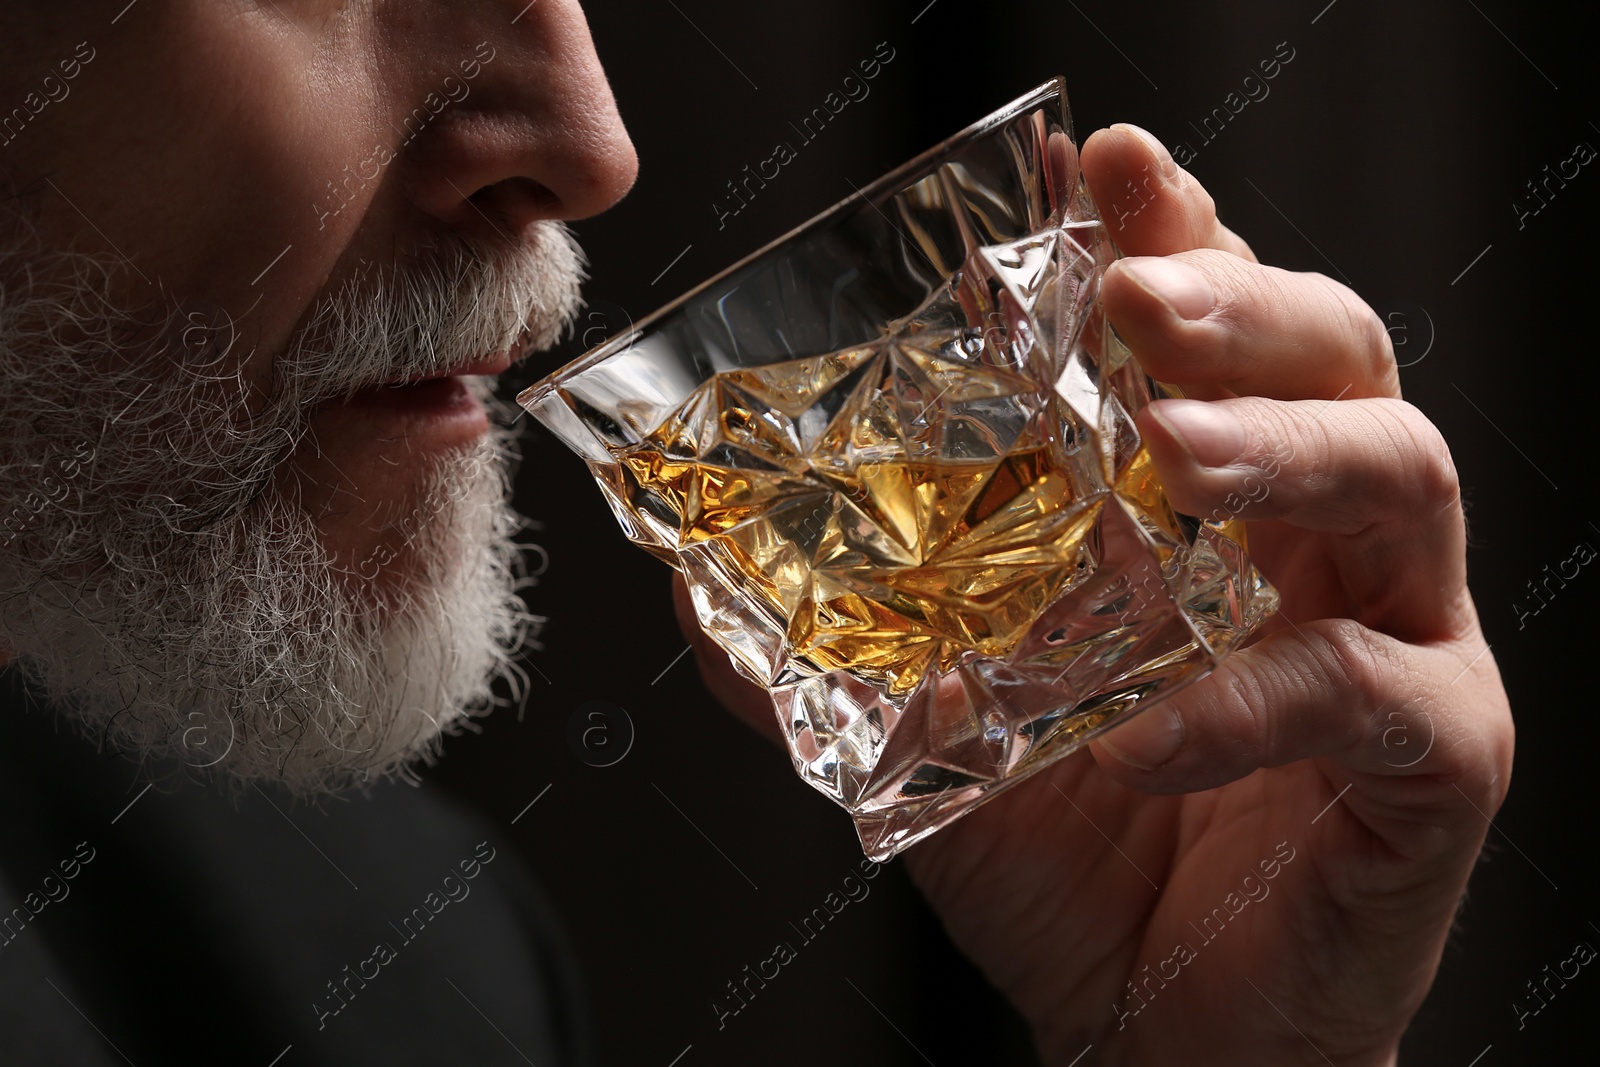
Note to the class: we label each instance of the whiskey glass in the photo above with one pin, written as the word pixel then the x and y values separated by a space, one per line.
pixel 893 455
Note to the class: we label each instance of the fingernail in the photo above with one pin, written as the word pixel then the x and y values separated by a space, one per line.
pixel 1205 429
pixel 1147 741
pixel 1169 166
pixel 1179 286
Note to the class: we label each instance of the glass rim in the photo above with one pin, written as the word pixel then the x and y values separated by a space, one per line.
pixel 896 179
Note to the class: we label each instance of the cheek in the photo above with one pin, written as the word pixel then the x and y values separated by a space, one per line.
pixel 198 144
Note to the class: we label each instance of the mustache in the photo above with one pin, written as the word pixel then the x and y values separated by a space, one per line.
pixel 460 304
pixel 457 304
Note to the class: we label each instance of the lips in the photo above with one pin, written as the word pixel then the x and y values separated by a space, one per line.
pixel 495 364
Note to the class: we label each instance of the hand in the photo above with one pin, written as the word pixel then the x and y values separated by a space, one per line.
pixel 1263 868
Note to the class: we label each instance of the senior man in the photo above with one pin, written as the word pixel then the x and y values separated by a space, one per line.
pixel 258 265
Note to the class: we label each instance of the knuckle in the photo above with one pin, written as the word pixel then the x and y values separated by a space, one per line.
pixel 1360 662
pixel 1246 689
pixel 1501 746
pixel 1368 461
pixel 1363 333
pixel 1201 206
pixel 1428 471
pixel 1482 767
pixel 1370 339
pixel 1248 285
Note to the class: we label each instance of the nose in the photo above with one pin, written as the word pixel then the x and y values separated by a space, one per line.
pixel 530 130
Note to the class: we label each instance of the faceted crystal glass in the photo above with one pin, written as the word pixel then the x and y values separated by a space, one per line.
pixel 893 455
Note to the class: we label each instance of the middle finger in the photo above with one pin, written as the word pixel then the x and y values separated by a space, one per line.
pixel 1216 325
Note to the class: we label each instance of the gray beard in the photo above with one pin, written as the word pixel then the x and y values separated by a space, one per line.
pixel 160 586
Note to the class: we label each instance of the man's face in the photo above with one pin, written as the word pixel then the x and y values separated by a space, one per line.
pixel 223 225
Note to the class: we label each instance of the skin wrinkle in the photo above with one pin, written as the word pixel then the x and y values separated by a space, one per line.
pixel 1355 660
pixel 1418 445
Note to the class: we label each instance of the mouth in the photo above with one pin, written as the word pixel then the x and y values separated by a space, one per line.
pixel 440 409
pixel 489 366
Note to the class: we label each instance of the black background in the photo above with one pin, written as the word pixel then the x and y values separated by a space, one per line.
pixel 1389 154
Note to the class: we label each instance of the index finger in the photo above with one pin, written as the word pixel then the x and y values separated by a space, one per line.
pixel 1152 206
